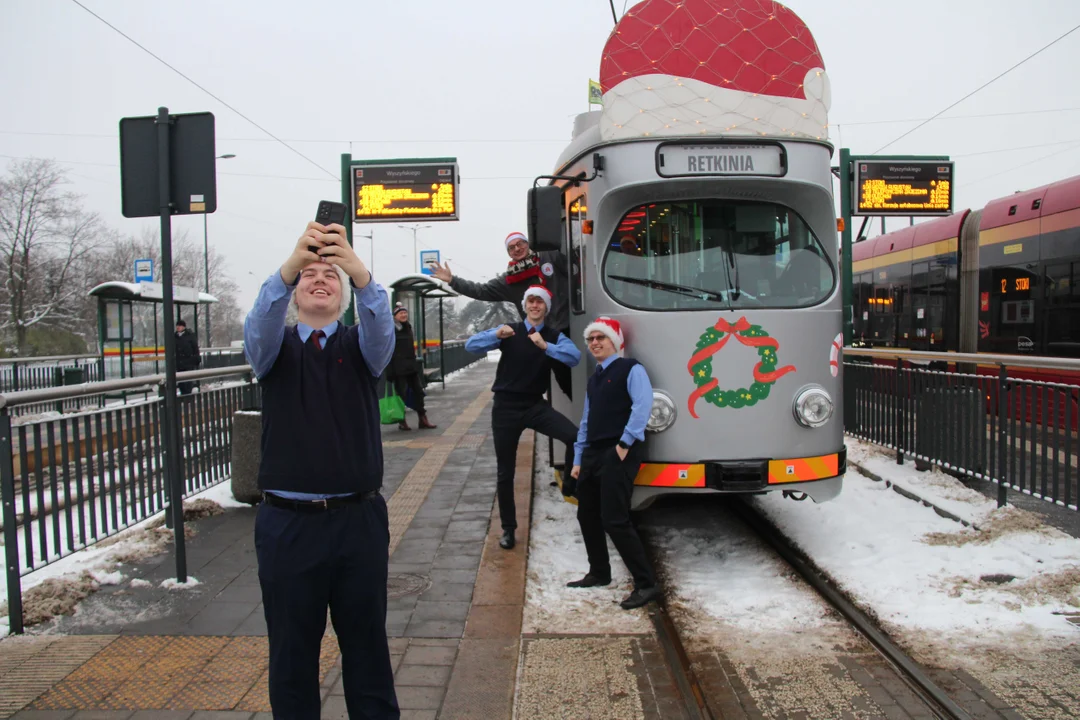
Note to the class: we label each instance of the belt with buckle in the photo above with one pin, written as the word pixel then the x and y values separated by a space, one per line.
pixel 317 505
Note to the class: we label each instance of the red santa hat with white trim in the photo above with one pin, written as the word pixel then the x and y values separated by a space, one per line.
pixel 610 327
pixel 537 291
pixel 515 236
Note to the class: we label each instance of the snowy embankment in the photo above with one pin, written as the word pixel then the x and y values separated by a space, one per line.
pixel 58 587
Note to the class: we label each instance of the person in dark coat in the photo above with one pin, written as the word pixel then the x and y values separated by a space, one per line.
pixel 187 354
pixel 547 268
pixel 404 370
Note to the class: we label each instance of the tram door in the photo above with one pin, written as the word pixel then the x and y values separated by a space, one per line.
pixel 1061 309
pixel 863 290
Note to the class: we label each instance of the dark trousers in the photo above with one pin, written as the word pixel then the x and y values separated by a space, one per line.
pixel 186 387
pixel 562 373
pixel 510 418
pixel 412 380
pixel 605 484
pixel 308 562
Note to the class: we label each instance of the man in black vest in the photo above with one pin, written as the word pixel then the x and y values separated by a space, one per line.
pixel 607 457
pixel 404 370
pixel 322 531
pixel 529 350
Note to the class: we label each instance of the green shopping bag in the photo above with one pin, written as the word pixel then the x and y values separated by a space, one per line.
pixel 391 406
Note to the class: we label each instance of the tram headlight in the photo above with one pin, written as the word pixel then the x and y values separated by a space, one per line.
pixel 813 407
pixel 662 414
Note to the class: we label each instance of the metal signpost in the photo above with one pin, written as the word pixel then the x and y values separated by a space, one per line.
pixel 887 185
pixel 167 168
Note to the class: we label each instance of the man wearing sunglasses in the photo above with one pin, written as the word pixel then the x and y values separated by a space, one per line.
pixel 529 350
pixel 607 457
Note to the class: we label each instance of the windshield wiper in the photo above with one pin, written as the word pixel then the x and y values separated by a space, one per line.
pixel 700 293
pixel 735 291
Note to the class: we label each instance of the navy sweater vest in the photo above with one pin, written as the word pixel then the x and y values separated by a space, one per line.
pixel 524 368
pixel 609 402
pixel 320 418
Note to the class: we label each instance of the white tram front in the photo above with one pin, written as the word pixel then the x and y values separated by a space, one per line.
pixel 710 235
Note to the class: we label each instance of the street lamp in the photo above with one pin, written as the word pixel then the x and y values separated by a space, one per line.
pixel 206 260
pixel 415 229
pixel 371 237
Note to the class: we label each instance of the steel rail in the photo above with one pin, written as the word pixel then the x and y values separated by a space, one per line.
pixel 913 675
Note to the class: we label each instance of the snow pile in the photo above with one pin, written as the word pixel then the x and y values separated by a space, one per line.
pixel 172 584
pixel 140 583
pixel 557 556
pixel 935 585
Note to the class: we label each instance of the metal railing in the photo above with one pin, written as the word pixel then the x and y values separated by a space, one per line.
pixel 454 357
pixel 1016 432
pixel 70 481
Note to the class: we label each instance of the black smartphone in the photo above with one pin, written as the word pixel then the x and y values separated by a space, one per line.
pixel 329 212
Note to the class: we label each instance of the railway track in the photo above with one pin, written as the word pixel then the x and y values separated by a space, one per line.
pixel 697 689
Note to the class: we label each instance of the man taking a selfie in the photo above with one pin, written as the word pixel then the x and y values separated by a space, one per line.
pixel 322 532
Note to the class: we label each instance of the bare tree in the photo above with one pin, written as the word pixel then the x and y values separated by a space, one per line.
pixel 45 235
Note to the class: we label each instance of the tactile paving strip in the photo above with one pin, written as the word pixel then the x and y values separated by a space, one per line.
pixel 410 495
pixel 30 666
pixel 164 673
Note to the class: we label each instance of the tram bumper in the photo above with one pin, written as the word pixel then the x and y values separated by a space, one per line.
pixel 820 477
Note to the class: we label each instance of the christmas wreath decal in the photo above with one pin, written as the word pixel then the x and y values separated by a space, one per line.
pixel 765 372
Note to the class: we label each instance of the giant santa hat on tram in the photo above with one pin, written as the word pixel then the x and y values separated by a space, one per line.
pixel 713 67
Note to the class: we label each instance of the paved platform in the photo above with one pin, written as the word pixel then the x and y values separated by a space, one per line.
pixel 454 611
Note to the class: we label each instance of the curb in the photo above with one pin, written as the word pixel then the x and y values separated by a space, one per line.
pixel 911 496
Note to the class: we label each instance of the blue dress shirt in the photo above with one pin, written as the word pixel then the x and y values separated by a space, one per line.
pixel 563 350
pixel 264 331
pixel 641 396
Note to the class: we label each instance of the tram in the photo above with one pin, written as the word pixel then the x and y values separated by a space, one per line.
pixel 696 208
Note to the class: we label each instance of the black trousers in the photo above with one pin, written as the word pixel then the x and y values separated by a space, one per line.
pixel 510 418
pixel 412 380
pixel 308 562
pixel 562 373
pixel 605 484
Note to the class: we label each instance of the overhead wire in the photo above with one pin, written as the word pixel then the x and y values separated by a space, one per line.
pixel 215 97
pixel 984 85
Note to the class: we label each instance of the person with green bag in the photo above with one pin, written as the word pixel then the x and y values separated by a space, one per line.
pixel 391 406
pixel 404 370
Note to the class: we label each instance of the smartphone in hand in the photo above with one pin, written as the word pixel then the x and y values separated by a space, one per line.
pixel 329 212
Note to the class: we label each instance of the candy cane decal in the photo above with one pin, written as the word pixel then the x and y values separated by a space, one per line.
pixel 834 353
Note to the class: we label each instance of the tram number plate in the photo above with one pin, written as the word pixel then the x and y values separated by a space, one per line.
pixel 721 159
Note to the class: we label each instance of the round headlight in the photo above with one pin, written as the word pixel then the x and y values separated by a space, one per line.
pixel 662 414
pixel 813 407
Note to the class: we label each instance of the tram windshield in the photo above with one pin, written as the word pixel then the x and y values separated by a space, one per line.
pixel 706 254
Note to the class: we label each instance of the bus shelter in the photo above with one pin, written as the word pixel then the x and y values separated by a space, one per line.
pixel 119 321
pixel 414 292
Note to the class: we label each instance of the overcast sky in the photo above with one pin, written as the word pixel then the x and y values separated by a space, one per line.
pixel 494 83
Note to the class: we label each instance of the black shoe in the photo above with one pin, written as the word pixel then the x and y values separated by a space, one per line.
pixel 589 581
pixel 506 542
pixel 640 596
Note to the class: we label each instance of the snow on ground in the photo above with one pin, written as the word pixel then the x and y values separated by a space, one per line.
pixel 934 584
pixel 82 571
pixel 557 556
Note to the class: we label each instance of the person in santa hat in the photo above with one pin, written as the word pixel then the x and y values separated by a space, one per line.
pixel 547 268
pixel 607 456
pixel 530 349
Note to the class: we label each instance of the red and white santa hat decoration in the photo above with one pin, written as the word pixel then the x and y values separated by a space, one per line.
pixel 713 67
pixel 610 327
pixel 514 237
pixel 537 291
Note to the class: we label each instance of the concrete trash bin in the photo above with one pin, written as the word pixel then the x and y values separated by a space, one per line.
pixel 246 454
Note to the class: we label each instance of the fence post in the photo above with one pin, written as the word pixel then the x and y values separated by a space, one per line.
pixel 901 401
pixel 11 530
pixel 1003 435
pixel 15 377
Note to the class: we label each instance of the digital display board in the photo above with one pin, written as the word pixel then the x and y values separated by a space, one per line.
pixel 903 187
pixel 415 190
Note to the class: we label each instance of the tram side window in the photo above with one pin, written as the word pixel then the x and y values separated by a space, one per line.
pixel 716 254
pixel 576 246
pixel 1013 324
